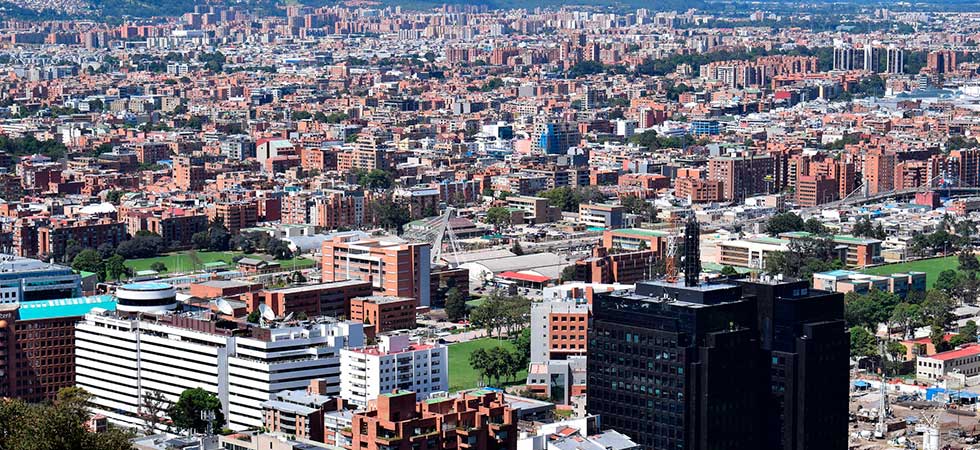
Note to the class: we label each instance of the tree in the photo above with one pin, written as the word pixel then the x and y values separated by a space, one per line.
pixel 89 260
pixel 480 360
pixel 966 335
pixel 908 316
pixel 784 222
pixel 200 240
pixel 863 343
pixel 114 196
pixel 279 249
pixel 636 205
pixel 455 304
pixel 804 257
pixel 57 425
pixel 568 274
pixel 871 309
pixel 158 267
pixel 499 313
pixel 141 246
pixel 218 238
pixel 498 216
pixel 390 215
pixel 373 179
pixel 115 267
pixel 814 226
pixel 968 261
pixel 938 338
pixel 154 409
pixel 522 346
pixel 947 281
pixel 253 317
pixel 937 309
pixel 568 199
pixel 186 413
pixel 729 271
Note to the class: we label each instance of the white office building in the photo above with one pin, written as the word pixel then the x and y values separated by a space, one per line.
pixel 395 363
pixel 121 360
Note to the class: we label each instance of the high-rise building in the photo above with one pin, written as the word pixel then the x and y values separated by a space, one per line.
pixel 677 367
pixel 844 57
pixel 963 167
pixel 941 61
pixel 393 268
pixel 189 173
pixel 235 215
pixel 870 63
pixel 744 364
pixel 879 171
pixel 805 342
pixel 555 137
pixel 894 60
pixel 121 359
pixel 395 364
pixel 37 347
pixel 741 176
pixel 559 339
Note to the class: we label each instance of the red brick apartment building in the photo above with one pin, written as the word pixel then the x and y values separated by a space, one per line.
pixel 386 313
pixel 324 299
pixel 395 269
pixel 53 238
pixel 476 420
pixel 37 345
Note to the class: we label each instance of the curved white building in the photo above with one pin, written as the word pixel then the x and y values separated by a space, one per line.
pixel 146 297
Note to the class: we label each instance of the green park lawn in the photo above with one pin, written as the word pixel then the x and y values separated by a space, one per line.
pixel 931 267
pixel 461 375
pixel 185 261
pixel 298 262
pixel 189 260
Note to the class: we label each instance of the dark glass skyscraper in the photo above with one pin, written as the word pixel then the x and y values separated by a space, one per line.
pixel 746 365
pixel 760 364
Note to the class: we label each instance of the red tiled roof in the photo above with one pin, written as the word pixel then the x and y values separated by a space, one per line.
pixel 962 352
pixel 524 277
pixel 927 339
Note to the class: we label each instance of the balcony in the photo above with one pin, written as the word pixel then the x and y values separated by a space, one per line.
pixel 392 439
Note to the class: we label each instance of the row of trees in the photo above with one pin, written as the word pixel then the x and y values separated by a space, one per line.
pixel 497 363
pixel 788 222
pixel 653 140
pixel 804 257
pixel 568 198
pixel 253 241
pixel 501 314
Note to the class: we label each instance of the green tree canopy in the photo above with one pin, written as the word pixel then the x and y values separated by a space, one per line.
pixel 186 413
pixel 783 223
pixel 57 425
pixel 863 343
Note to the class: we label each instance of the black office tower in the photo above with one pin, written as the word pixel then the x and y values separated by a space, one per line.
pixel 677 367
pixel 742 365
pixel 807 346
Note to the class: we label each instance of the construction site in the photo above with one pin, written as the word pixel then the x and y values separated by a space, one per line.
pixel 895 414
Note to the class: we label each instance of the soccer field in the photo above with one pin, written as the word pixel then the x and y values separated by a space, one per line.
pixel 931 267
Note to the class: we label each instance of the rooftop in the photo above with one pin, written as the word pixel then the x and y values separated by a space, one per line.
pixel 146 286
pixel 641 232
pixel 66 307
pixel 962 352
